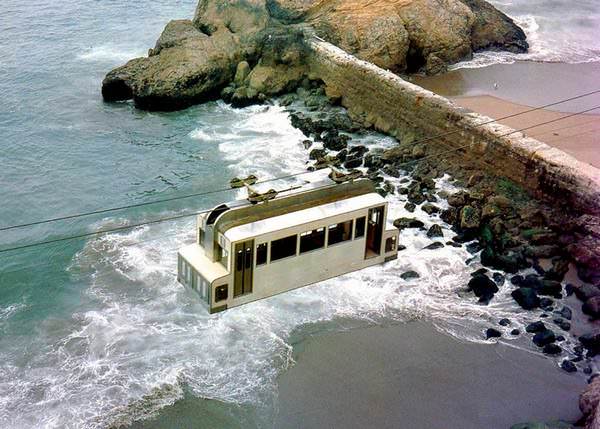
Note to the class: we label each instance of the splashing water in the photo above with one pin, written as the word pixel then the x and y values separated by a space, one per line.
pixel 557 31
pixel 139 339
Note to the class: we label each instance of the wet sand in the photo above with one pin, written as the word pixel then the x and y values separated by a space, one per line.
pixel 507 89
pixel 412 376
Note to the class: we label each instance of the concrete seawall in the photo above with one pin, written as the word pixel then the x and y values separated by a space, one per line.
pixel 395 106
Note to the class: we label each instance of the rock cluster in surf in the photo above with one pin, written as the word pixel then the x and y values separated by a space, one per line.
pixel 248 50
pixel 525 246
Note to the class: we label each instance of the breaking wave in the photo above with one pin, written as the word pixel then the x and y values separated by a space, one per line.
pixel 140 340
pixel 109 53
pixel 556 33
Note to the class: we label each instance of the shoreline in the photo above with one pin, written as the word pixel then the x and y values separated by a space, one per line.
pixel 396 375
pixel 474 89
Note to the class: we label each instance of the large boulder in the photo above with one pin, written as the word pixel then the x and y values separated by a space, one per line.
pixel 526 297
pixel 483 287
pixel 494 30
pixel 591 307
pixel 377 36
pixel 186 67
pixel 414 34
pixel 193 61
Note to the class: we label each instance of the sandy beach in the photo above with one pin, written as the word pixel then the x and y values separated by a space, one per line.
pixel 508 89
pixel 412 376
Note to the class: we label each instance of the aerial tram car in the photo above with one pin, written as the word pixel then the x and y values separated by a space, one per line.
pixel 274 242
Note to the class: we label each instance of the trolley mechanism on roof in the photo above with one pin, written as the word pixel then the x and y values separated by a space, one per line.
pixel 275 241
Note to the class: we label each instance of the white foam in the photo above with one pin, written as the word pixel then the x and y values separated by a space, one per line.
pixel 109 53
pixel 566 41
pixel 10 310
pixel 139 336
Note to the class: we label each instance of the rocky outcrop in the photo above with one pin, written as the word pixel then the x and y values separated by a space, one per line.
pixel 186 66
pixel 195 61
pixel 588 404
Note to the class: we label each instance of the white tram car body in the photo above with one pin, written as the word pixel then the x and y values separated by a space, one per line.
pixel 245 252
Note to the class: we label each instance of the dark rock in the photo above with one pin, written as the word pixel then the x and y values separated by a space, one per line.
pixel 498 278
pixel 586 253
pixel 546 304
pixel 410 207
pixel 510 261
pixel 449 216
pixel 307 143
pixel 515 332
pixel 474 247
pixel 358 150
pixel 430 208
pixel 458 199
pixel 435 231
pixel 351 162
pixel 532 281
pixel 544 337
pixel 568 366
pixel 373 160
pixel 465 236
pixel 560 338
pixel 569 289
pixel 317 154
pixel 504 322
pixel 391 171
pixel 585 291
pixel 479 272
pixel 550 288
pixel 401 247
pixel 482 287
pixel 551 349
pixel 334 141
pixel 374 177
pixel 591 307
pixel 342 155
pixel 490 211
pixel 415 196
pixel 418 151
pixel 559 269
pixel 406 223
pixel 492 333
pixel 565 313
pixel 489 33
pixel 587 370
pixel 434 245
pixel 562 324
pixel 517 280
pixel 526 297
pixel 535 327
pixel 388 187
pixel 470 217
pixel 431 198
pixel 538 268
pixel 287 99
pixel 409 275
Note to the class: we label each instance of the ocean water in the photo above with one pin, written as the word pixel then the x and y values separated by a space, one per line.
pixel 557 31
pixel 97 331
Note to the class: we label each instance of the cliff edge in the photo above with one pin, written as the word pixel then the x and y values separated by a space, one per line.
pixel 247 50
